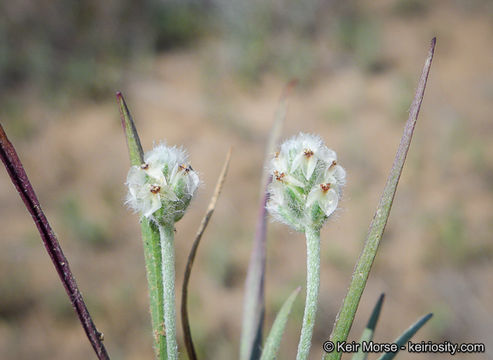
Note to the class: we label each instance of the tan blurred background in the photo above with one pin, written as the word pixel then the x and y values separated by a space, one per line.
pixel 208 74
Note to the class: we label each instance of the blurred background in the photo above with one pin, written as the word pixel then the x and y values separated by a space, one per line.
pixel 208 74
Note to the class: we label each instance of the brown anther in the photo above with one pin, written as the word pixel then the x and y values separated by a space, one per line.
pixel 276 155
pixel 144 166
pixel 325 187
pixel 334 163
pixel 185 168
pixel 308 153
pixel 279 176
pixel 155 189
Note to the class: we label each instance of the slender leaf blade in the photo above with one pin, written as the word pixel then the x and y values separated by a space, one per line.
pixel 406 336
pixel 370 328
pixel 345 317
pixel 273 341
pixel 187 334
pixel 150 239
pixel 254 307
pixel 135 151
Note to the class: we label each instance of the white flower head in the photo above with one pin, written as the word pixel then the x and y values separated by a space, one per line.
pixel 306 182
pixel 162 187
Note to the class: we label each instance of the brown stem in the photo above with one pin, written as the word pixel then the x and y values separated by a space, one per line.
pixel 23 185
pixel 187 334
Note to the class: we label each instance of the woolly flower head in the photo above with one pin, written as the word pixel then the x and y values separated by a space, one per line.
pixel 162 187
pixel 306 182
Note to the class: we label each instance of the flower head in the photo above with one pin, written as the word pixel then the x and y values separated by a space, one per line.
pixel 162 187
pixel 306 182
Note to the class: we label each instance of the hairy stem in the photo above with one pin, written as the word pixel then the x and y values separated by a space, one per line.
pixel 312 287
pixel 152 252
pixel 167 235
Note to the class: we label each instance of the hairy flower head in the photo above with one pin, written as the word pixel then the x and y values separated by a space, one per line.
pixel 161 188
pixel 306 182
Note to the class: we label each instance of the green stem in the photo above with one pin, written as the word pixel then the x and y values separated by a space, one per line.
pixel 152 254
pixel 167 236
pixel 312 287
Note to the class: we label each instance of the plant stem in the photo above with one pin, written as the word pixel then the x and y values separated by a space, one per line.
pixel 21 182
pixel 152 253
pixel 312 287
pixel 167 235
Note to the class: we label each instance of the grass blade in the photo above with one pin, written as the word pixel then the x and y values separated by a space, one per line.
pixel 254 307
pixel 150 238
pixel 26 191
pixel 370 328
pixel 345 317
pixel 273 341
pixel 191 257
pixel 406 336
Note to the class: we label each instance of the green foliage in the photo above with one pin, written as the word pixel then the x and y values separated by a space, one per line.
pixel 273 341
pixel 370 329
pixel 362 269
pixel 406 336
pixel 74 47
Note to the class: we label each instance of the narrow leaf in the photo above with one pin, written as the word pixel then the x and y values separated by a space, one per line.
pixel 133 142
pixel 273 341
pixel 254 307
pixel 150 239
pixel 191 257
pixel 345 317
pixel 406 336
pixel 370 328
pixel 26 191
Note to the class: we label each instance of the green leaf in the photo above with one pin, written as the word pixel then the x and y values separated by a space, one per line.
pixel 406 336
pixel 254 307
pixel 348 309
pixel 150 239
pixel 370 328
pixel 133 142
pixel 273 341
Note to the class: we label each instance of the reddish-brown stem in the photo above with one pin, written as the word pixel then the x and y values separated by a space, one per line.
pixel 23 185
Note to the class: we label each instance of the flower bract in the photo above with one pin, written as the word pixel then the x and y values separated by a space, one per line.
pixel 306 182
pixel 162 187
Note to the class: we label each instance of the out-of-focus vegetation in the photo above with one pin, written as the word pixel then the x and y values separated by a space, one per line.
pixel 64 49
pixel 80 47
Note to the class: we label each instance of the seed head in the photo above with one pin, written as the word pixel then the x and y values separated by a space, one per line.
pixel 161 188
pixel 306 182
